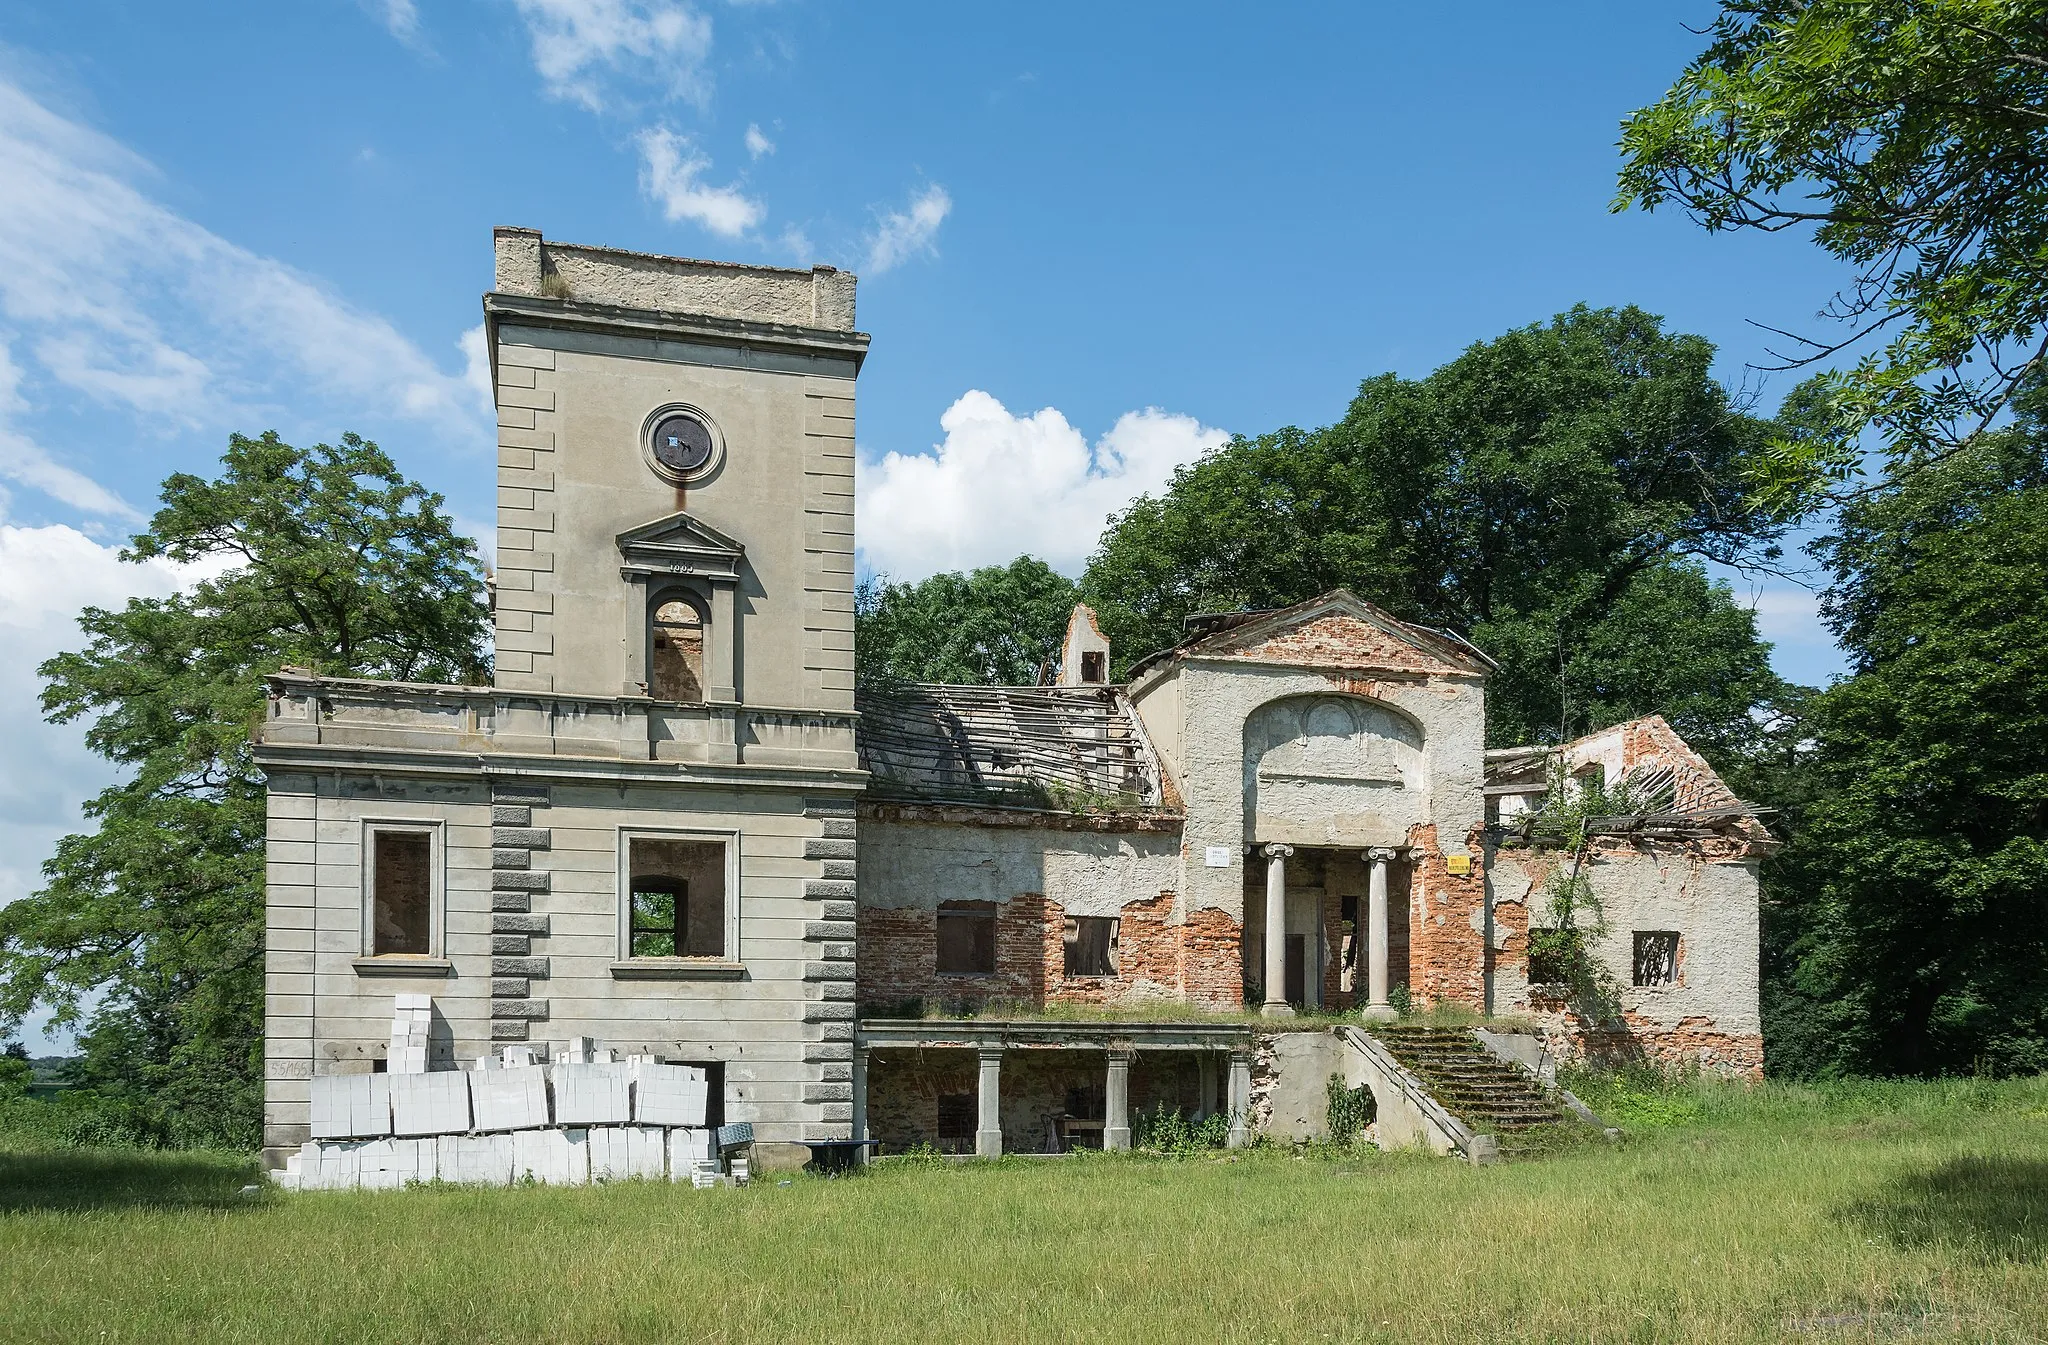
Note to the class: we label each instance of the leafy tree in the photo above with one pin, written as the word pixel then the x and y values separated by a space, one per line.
pixel 1000 625
pixel 1546 493
pixel 326 558
pixel 1921 945
pixel 1911 138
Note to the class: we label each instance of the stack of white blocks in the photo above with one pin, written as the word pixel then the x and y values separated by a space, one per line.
pixel 611 1120
pixel 412 1019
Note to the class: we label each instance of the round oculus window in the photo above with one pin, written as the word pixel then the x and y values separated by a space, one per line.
pixel 682 443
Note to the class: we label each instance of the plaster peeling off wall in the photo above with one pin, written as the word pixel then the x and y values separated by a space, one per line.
pixel 1709 1017
pixel 1036 880
pixel 1085 872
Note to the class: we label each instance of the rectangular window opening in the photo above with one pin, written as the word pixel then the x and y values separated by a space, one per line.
pixel 967 938
pixel 677 904
pixel 1091 945
pixel 402 893
pixel 1656 959
pixel 959 1114
pixel 1553 954
pixel 1091 667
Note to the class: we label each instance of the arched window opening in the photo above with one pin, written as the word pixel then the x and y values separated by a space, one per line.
pixel 676 659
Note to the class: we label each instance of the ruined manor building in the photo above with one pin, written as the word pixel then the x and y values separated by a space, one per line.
pixel 673 824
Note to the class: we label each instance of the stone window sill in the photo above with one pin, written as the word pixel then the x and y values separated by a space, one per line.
pixel 400 965
pixel 678 969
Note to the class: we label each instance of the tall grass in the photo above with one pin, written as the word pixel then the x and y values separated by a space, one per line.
pixel 1839 1212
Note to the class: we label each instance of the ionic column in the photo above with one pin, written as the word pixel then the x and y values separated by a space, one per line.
pixel 988 1133
pixel 1240 1098
pixel 1116 1102
pixel 1276 1005
pixel 859 1132
pixel 1377 1007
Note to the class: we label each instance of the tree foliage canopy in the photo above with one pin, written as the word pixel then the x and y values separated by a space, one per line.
pixel 1000 626
pixel 326 558
pixel 1916 892
pixel 1911 137
pixel 1544 493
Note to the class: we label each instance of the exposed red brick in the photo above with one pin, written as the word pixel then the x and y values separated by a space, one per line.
pixel 1198 960
pixel 1447 953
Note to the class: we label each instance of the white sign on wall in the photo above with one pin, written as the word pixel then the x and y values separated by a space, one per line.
pixel 1216 857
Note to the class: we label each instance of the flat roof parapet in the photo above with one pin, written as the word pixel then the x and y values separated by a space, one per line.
pixel 527 264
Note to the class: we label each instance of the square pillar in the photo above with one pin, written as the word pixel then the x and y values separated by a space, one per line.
pixel 1116 1102
pixel 859 1133
pixel 1240 1097
pixel 988 1133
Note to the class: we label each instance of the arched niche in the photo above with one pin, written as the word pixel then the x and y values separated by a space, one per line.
pixel 1331 769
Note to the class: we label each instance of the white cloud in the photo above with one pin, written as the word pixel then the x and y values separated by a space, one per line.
pixel 47 575
pixel 901 235
pixel 1000 485
pixel 113 296
pixel 757 143
pixel 670 167
pixel 1790 616
pixel 586 50
pixel 402 17
pixel 22 459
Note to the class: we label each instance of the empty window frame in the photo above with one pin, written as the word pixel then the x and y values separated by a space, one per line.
pixel 1092 669
pixel 1554 954
pixel 675 897
pixel 1656 957
pixel 401 891
pixel 967 938
pixel 1091 945
pixel 675 652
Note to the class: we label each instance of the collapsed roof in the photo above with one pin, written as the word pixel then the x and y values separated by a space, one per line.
pixel 1075 747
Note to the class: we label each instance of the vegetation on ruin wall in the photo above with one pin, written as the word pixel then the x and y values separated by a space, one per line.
pixel 149 930
pixel 1847 1212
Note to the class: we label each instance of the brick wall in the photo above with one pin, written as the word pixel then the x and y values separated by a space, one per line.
pixel 1199 960
pixel 1447 953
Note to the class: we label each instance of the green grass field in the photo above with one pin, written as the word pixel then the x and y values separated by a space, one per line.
pixel 1864 1212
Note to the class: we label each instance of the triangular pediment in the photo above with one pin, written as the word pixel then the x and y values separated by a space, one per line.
pixel 1340 630
pixel 680 544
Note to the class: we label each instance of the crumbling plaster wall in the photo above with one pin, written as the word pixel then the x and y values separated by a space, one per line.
pixel 1214 698
pixel 904 1087
pixel 1712 1015
pixel 1036 877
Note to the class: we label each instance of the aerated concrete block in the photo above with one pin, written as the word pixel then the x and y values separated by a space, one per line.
pixel 670 1095
pixel 474 1160
pixel 551 1157
pixel 686 1149
pixel 618 1153
pixel 429 1104
pixel 350 1106
pixel 513 1098
pixel 593 1094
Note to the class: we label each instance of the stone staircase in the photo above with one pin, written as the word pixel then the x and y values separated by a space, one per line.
pixel 1486 1093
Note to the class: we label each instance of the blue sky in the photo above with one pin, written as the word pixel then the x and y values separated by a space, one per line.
pixel 1092 240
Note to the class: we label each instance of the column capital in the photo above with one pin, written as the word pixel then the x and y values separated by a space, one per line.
pixel 1383 854
pixel 1277 851
pixel 990 1054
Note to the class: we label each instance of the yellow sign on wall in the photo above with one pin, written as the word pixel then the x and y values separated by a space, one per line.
pixel 1458 864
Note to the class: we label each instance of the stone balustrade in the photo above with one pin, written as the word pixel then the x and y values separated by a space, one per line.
pixel 407 717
